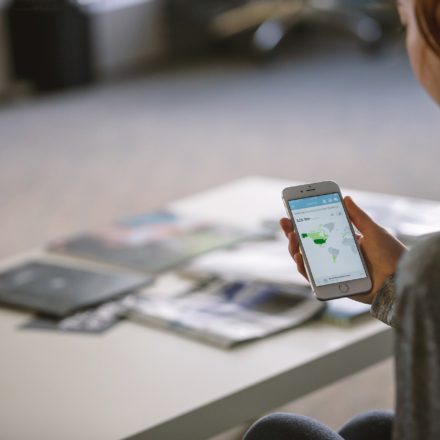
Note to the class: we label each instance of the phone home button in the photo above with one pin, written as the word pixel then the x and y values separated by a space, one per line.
pixel 343 288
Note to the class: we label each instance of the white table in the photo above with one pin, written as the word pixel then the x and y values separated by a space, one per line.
pixel 143 383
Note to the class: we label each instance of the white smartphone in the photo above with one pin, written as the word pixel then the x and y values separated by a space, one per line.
pixel 334 263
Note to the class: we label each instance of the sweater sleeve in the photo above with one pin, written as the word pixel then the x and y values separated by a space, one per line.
pixel 383 304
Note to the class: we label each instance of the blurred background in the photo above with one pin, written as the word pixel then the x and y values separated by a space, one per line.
pixel 113 107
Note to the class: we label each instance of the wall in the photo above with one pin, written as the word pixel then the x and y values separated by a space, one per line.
pixel 4 57
pixel 127 35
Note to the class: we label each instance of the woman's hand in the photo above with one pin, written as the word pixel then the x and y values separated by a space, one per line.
pixel 381 250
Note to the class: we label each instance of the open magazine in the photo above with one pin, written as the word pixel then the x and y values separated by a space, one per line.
pixel 264 260
pixel 151 242
pixel 406 217
pixel 228 313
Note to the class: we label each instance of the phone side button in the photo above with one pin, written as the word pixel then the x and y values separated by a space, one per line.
pixel 344 287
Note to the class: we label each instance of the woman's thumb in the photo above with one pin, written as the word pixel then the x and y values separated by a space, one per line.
pixel 360 218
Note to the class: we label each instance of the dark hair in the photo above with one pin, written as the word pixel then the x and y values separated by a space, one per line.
pixel 428 20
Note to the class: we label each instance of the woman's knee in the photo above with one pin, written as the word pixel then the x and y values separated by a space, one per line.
pixel 286 426
pixel 377 425
pixel 265 427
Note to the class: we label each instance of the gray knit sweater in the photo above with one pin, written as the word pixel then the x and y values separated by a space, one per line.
pixel 410 303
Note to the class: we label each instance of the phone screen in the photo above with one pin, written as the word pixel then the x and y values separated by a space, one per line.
pixel 327 239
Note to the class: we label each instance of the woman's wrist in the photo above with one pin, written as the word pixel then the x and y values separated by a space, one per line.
pixel 382 306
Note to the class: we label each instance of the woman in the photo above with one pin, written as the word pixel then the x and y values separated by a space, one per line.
pixel 405 293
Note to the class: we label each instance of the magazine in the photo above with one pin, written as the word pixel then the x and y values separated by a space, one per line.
pixel 152 242
pixel 227 313
pixel 264 260
pixel 405 217
pixel 94 320
pixel 344 311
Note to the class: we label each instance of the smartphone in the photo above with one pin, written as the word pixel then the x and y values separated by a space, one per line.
pixel 334 263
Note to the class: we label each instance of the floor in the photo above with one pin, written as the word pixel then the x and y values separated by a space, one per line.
pixel 337 403
pixel 326 110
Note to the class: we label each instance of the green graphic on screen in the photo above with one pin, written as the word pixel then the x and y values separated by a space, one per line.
pixel 327 239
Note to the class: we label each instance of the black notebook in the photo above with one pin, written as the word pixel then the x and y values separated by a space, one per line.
pixel 59 290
